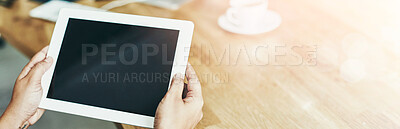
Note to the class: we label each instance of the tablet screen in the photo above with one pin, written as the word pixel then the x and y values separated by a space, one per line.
pixel 114 66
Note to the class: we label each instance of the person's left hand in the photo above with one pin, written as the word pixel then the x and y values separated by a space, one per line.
pixel 23 110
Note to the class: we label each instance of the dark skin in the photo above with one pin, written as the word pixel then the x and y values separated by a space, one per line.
pixel 174 111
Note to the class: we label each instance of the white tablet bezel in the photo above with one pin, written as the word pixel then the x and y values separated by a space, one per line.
pixel 179 64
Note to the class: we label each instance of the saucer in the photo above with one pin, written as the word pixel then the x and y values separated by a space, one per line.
pixel 272 21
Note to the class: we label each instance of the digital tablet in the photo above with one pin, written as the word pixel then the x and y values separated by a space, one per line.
pixel 114 67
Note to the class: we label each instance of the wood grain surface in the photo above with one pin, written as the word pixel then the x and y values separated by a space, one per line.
pixel 330 64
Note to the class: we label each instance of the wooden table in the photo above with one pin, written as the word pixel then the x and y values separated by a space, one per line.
pixel 315 84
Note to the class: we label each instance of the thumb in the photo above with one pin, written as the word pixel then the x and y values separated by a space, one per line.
pixel 177 86
pixel 40 68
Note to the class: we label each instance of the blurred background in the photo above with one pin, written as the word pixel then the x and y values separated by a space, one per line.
pixel 262 63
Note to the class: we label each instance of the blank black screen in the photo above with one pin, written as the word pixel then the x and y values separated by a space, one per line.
pixel 104 78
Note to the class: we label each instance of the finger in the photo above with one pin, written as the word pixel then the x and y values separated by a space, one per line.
pixel 39 69
pixel 177 86
pixel 36 116
pixel 41 55
pixel 25 125
pixel 193 87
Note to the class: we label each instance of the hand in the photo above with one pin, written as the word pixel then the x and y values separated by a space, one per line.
pixel 181 107
pixel 23 110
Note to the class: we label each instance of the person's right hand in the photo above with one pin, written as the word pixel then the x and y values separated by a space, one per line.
pixel 181 107
pixel 23 111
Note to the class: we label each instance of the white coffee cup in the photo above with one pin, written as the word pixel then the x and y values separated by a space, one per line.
pixel 247 13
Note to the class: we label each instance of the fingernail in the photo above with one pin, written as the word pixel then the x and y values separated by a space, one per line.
pixel 48 59
pixel 178 75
